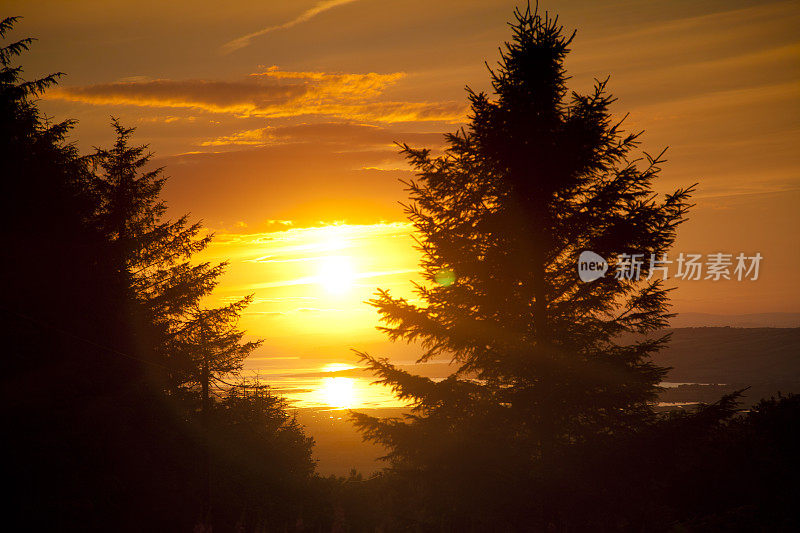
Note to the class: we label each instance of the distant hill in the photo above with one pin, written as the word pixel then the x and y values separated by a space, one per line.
pixel 732 355
pixel 696 354
pixel 752 320
pixel 764 361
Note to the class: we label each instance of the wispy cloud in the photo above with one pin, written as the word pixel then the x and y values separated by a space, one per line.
pixel 303 242
pixel 336 135
pixel 273 93
pixel 318 8
pixel 313 280
pixel 238 97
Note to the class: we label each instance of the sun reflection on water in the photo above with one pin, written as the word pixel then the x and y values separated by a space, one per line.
pixel 322 385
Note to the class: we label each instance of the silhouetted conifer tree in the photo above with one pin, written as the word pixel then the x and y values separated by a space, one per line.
pixel 164 284
pixel 193 348
pixel 262 459
pixel 45 202
pixel 102 311
pixel 538 175
pixel 75 396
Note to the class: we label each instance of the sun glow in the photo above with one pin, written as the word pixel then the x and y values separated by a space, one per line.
pixel 310 284
pixel 339 392
pixel 336 274
pixel 336 367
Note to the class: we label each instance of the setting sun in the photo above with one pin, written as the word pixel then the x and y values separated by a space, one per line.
pixel 336 274
pixel 339 392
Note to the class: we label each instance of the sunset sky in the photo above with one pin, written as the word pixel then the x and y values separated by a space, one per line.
pixel 276 122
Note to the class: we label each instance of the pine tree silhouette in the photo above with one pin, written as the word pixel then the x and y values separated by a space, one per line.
pixel 109 348
pixel 539 175
pixel 164 284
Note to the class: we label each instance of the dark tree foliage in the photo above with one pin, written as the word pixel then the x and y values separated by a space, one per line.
pixel 74 394
pixel 154 256
pixel 539 175
pixel 709 469
pixel 712 468
pixel 45 203
pixel 266 460
pixel 107 346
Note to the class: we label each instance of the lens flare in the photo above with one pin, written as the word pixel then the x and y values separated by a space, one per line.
pixel 445 277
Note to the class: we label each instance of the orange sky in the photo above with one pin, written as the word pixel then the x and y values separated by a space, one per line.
pixel 276 119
